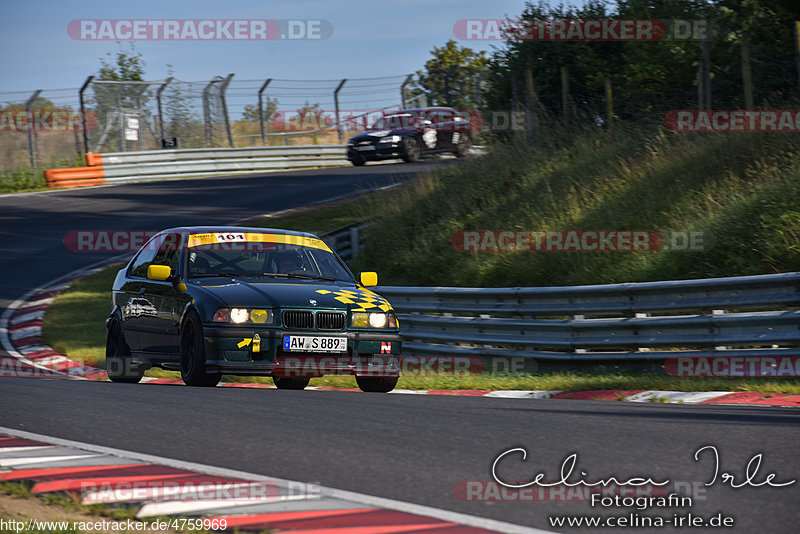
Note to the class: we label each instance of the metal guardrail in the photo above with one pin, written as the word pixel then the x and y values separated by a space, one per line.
pixel 754 316
pixel 346 241
pixel 156 164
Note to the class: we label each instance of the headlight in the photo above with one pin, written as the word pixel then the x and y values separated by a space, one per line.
pixel 242 315
pixel 390 139
pixel 239 315
pixel 373 320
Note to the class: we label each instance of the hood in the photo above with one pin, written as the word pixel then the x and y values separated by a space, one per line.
pixel 264 293
pixel 372 135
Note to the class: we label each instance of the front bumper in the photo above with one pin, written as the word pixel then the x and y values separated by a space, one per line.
pixel 233 351
pixel 374 152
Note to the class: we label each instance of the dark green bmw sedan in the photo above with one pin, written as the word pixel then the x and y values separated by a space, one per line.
pixel 209 301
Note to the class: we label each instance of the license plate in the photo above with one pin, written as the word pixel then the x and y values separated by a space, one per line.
pixel 362 148
pixel 315 343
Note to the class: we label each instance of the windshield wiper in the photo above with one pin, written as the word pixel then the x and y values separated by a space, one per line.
pixel 300 276
pixel 205 275
pixel 311 277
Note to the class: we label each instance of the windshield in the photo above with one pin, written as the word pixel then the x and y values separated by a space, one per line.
pixel 263 255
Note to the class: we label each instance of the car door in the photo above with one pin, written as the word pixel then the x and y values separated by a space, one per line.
pixel 131 300
pixel 443 122
pixel 159 326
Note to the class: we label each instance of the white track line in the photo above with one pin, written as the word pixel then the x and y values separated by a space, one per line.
pixel 444 515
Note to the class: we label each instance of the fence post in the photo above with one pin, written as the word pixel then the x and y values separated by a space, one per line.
pixel 530 97
pixel 222 90
pixel 261 111
pixel 609 105
pixel 797 49
pixel 158 102
pixel 207 110
pixel 409 78
pixel 447 85
pixel 747 76
pixel 565 115
pixel 31 132
pixel 336 107
pixel 121 115
pixel 706 66
pixel 83 114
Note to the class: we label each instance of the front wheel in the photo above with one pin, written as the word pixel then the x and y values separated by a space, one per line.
pixel 411 150
pixel 462 147
pixel 282 382
pixel 193 354
pixel 118 356
pixel 376 385
pixel 358 161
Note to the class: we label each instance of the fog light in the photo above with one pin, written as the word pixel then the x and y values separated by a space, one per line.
pixel 259 316
pixel 360 319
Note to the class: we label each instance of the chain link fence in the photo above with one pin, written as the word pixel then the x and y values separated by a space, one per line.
pixel 120 116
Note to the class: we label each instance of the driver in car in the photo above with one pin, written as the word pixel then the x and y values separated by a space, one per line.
pixel 288 262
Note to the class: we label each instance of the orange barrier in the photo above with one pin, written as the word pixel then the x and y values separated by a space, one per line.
pixel 94 159
pixel 75 177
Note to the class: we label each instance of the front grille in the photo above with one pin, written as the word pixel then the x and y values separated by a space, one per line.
pixel 330 321
pixel 303 320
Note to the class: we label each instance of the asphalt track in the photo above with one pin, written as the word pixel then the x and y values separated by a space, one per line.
pixel 404 447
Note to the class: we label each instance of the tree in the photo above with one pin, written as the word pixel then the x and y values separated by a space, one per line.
pixel 179 118
pixel 251 114
pixel 112 100
pixel 450 78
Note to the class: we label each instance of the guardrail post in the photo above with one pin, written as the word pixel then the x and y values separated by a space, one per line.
pixel 336 107
pixel 222 90
pixel 354 244
pixel 31 132
pixel 261 111
pixel 160 113
pixel 83 114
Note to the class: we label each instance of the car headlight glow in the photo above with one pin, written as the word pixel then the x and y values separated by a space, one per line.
pixel 242 315
pixel 390 139
pixel 377 320
pixel 373 320
pixel 239 315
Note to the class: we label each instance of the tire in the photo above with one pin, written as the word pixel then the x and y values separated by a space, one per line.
pixel 358 161
pixel 376 385
pixel 118 356
pixel 290 383
pixel 411 150
pixel 193 354
pixel 462 148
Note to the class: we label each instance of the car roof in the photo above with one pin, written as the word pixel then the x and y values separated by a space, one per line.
pixel 420 110
pixel 229 229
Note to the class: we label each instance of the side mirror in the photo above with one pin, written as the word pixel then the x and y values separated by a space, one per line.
pixel 369 279
pixel 159 273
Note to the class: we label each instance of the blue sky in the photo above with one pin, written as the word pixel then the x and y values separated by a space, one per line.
pixel 379 38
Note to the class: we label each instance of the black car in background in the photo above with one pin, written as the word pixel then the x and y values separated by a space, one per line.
pixel 208 301
pixel 411 133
